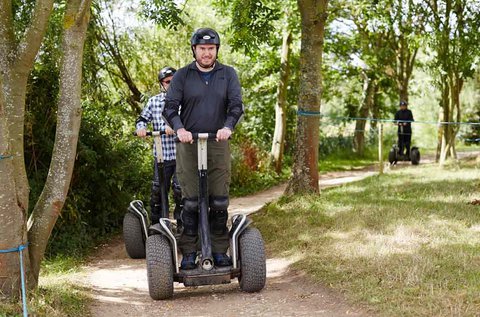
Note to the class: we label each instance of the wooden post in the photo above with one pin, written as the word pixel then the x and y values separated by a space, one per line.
pixel 380 148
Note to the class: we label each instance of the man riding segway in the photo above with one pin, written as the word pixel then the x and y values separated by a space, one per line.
pixel 403 118
pixel 153 113
pixel 210 97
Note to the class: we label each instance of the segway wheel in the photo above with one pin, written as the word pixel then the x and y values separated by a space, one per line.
pixel 133 236
pixel 415 156
pixel 392 156
pixel 159 267
pixel 252 261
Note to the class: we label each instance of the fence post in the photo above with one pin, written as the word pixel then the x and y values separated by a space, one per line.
pixel 380 149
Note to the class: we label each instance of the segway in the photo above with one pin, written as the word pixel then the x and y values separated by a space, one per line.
pixel 246 247
pixel 136 221
pixel 394 154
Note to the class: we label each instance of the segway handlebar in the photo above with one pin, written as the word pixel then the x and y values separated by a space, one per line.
pixel 201 136
pixel 152 133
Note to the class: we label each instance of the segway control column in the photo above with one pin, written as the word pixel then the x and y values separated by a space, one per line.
pixel 204 228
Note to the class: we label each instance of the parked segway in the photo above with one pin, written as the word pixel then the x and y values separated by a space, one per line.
pixel 246 247
pixel 136 221
pixel 394 154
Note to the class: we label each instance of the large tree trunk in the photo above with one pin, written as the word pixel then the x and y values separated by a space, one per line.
pixel 305 165
pixel 16 61
pixel 50 203
pixel 12 216
pixel 278 144
pixel 367 105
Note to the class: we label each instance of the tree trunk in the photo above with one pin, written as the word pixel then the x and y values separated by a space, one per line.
pixel 12 216
pixel 50 203
pixel 278 144
pixel 305 166
pixel 16 61
pixel 451 105
pixel 367 105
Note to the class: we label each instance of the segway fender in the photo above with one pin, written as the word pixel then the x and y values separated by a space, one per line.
pixel 163 228
pixel 240 223
pixel 138 210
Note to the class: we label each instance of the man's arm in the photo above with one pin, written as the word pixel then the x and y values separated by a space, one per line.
pixel 234 101
pixel 173 101
pixel 145 117
pixel 396 118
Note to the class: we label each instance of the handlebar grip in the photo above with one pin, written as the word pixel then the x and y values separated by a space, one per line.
pixel 151 133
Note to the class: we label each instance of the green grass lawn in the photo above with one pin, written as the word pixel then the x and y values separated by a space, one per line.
pixel 406 243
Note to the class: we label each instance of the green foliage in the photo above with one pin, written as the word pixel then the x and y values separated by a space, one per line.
pixel 251 170
pixel 252 22
pixel 111 168
pixel 164 13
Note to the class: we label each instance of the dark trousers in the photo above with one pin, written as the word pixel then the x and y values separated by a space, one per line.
pixel 170 182
pixel 218 157
pixel 404 143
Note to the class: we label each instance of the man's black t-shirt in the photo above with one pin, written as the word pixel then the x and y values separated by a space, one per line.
pixel 404 115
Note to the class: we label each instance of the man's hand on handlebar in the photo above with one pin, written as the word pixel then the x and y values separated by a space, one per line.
pixel 169 131
pixel 223 134
pixel 142 133
pixel 184 136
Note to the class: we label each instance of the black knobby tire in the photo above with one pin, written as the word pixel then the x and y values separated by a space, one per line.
pixel 252 261
pixel 392 157
pixel 415 156
pixel 159 267
pixel 133 236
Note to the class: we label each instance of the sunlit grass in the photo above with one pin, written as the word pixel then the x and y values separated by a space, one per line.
pixel 406 243
pixel 58 294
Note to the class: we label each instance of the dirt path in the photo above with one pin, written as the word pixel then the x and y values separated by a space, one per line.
pixel 119 284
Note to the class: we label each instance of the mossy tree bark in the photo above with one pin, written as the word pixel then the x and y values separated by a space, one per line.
pixel 305 165
pixel 17 55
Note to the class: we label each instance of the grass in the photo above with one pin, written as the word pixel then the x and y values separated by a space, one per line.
pixel 57 294
pixel 406 243
pixel 346 160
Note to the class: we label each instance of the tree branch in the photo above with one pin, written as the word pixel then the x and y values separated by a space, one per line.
pixel 30 44
pixel 82 10
pixel 7 42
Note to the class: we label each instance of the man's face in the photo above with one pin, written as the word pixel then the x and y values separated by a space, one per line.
pixel 166 82
pixel 205 54
pixel 403 107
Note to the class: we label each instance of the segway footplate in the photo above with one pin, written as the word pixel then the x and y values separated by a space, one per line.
pixel 198 276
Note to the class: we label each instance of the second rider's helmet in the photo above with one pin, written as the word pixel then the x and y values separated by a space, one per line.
pixel 166 72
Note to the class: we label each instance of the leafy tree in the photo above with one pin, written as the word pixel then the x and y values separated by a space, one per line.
pixel 454 38
pixel 268 26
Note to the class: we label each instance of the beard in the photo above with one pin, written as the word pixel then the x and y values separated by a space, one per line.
pixel 203 65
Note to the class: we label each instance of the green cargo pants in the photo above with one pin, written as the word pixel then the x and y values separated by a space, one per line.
pixel 218 163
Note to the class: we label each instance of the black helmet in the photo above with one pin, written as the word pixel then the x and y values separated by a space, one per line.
pixel 403 103
pixel 205 36
pixel 166 72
